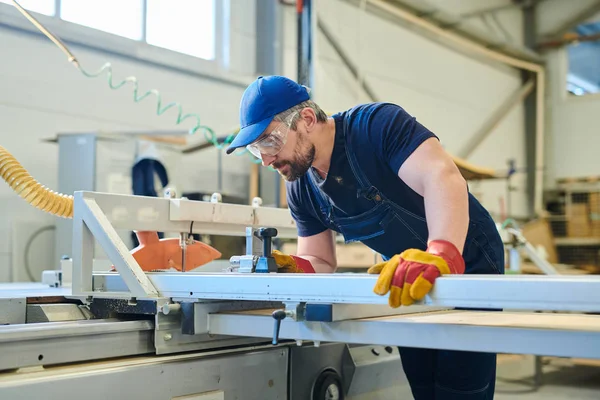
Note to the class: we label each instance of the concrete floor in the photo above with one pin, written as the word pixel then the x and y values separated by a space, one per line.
pixel 561 379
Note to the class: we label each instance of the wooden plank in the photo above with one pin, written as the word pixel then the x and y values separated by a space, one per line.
pixel 539 233
pixel 282 195
pixel 552 321
pixel 254 174
pixel 577 241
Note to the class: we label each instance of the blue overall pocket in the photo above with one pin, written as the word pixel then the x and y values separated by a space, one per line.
pixel 365 226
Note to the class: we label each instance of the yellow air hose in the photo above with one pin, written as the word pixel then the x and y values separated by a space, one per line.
pixel 32 191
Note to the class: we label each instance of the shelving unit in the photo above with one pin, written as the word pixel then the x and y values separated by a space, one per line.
pixel 575 221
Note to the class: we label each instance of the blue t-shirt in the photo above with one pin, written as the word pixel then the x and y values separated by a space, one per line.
pixel 386 136
pixel 382 136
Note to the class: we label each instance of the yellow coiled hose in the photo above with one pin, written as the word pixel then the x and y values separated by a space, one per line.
pixel 31 190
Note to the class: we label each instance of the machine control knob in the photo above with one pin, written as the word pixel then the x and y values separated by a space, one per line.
pixel 266 234
pixel 278 315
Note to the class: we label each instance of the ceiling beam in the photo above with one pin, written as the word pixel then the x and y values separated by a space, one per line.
pixel 452 38
pixel 577 19
pixel 568 39
pixel 487 10
pixel 422 17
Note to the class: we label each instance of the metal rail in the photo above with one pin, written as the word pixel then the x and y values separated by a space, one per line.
pixel 54 343
pixel 498 332
pixel 525 292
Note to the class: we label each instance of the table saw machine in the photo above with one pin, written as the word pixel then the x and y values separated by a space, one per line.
pixel 246 331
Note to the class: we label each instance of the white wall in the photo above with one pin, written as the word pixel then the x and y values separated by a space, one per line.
pixel 448 92
pixel 574 133
pixel 572 130
pixel 41 94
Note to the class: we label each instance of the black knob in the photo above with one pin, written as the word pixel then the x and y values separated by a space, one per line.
pixel 278 315
pixel 266 234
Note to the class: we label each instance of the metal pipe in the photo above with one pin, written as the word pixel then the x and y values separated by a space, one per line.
pixel 539 142
pixel 304 17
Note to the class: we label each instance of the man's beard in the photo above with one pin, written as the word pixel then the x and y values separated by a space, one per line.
pixel 299 165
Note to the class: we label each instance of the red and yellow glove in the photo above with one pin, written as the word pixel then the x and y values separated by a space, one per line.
pixel 292 264
pixel 409 276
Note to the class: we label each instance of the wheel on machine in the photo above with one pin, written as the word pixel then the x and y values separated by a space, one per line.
pixel 328 386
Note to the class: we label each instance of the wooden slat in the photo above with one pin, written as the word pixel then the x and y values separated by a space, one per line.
pixel 254 174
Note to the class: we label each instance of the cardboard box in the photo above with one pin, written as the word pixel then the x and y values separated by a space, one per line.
pixel 594 208
pixel 595 231
pixel 578 222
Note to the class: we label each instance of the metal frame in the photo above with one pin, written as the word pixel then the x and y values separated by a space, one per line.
pixel 99 215
pixel 518 333
pixel 525 292
pixel 48 343
pixel 322 307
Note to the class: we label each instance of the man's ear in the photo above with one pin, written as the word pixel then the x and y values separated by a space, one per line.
pixel 310 118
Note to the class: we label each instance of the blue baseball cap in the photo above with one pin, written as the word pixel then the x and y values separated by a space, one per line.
pixel 264 98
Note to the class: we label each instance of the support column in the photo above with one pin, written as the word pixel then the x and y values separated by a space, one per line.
pixel 305 39
pixel 268 35
pixel 530 103
pixel 269 59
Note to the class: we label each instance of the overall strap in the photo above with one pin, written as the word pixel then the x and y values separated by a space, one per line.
pixel 324 204
pixel 366 189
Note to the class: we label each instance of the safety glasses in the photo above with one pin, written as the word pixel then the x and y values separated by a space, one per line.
pixel 273 142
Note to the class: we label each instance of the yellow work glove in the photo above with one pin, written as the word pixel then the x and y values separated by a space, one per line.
pixel 409 276
pixel 291 264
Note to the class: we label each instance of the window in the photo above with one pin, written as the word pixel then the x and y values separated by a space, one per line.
pixel 185 26
pixel 584 60
pixel 119 17
pixel 47 7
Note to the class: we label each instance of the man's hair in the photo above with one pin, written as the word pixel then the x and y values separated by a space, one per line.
pixel 285 115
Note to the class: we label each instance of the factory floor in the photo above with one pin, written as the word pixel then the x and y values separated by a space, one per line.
pixel 561 379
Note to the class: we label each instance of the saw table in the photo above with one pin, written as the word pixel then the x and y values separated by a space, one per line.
pixel 279 322
pixel 309 300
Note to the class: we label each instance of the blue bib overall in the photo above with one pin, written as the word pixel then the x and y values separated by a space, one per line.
pixel 376 208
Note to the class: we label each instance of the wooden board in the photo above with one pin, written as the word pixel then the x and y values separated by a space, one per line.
pixel 473 172
pixel 539 233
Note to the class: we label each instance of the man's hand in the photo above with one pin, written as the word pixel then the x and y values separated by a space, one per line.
pixel 409 276
pixel 292 264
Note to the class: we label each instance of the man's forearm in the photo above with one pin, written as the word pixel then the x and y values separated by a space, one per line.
pixel 320 266
pixel 447 207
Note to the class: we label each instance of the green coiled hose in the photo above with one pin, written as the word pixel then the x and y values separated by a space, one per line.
pixel 209 134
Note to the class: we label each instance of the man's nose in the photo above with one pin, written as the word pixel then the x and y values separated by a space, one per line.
pixel 267 160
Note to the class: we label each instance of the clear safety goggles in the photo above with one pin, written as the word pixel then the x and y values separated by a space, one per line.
pixel 272 144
